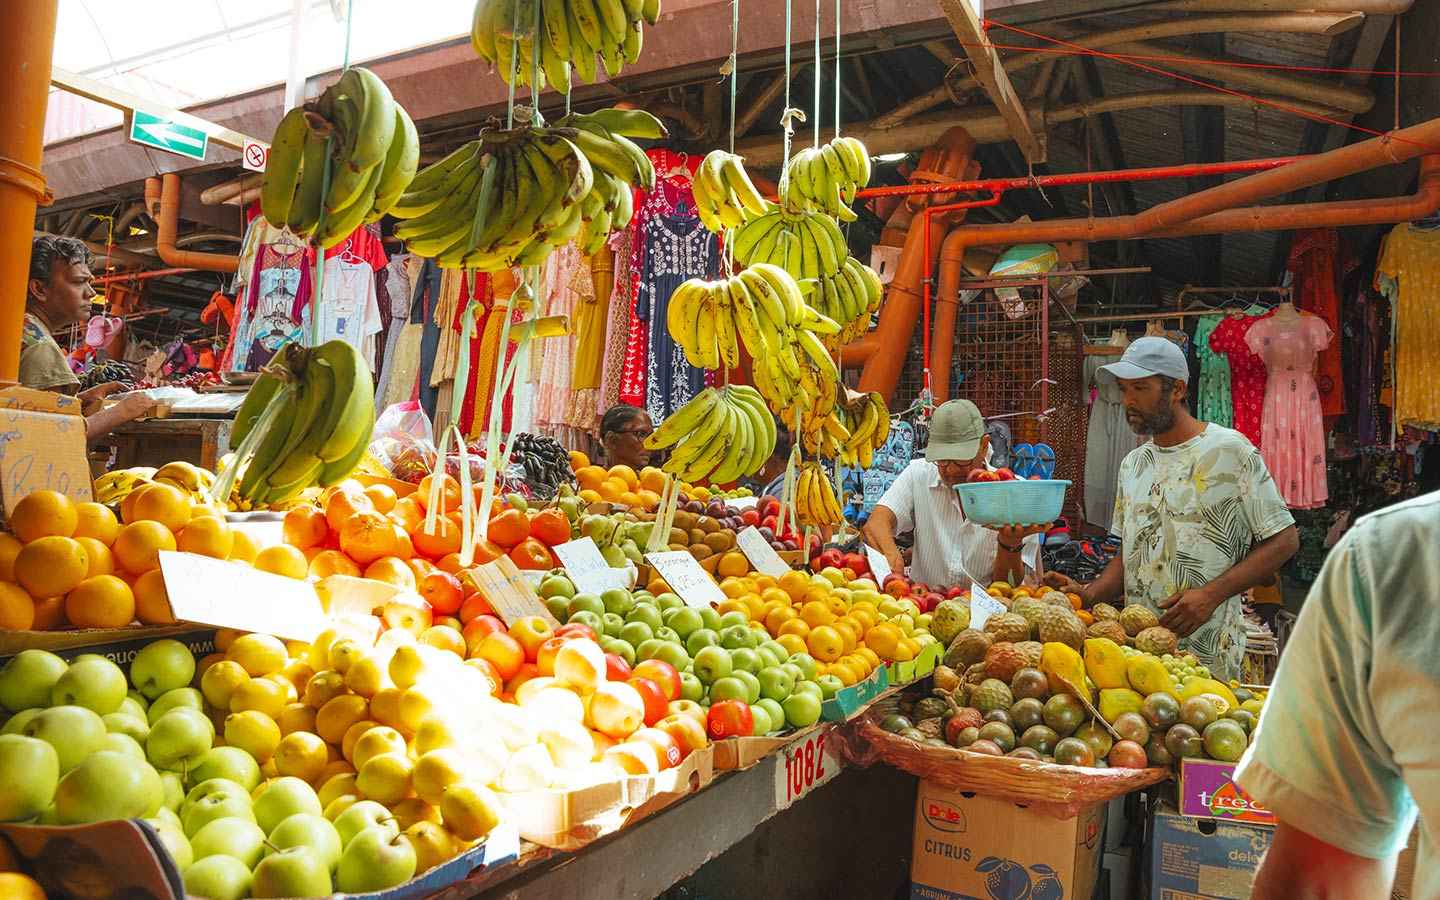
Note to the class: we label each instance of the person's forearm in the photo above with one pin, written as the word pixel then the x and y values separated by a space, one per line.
pixel 879 531
pixel 1258 566
pixel 1009 567
pixel 1111 583
pixel 1300 867
pixel 105 421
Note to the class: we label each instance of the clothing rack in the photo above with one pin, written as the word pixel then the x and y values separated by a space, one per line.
pixel 1283 290
pixel 1147 316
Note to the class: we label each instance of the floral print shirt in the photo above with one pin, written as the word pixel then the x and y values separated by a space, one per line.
pixel 1185 515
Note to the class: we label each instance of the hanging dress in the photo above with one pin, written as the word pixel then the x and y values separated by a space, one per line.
pixel 1107 441
pixel 1247 373
pixel 1292 428
pixel 1312 260
pixel 678 247
pixel 1212 396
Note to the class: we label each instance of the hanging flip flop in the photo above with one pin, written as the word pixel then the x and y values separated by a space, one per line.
pixel 1022 458
pixel 1044 461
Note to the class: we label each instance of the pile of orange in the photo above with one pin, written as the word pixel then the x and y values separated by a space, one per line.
pixel 619 484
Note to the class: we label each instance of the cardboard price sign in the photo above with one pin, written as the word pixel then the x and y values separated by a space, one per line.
pixel 982 606
pixel 761 555
pixel 809 763
pixel 42 446
pixel 686 578
pixel 510 592
pixel 587 568
pixel 220 593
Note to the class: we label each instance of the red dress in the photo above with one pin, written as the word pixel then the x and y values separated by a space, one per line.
pixel 1312 259
pixel 1247 372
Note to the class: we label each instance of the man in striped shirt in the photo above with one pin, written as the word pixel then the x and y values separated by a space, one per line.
pixel 949 548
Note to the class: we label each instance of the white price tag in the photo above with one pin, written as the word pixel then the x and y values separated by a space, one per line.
pixel 982 606
pixel 686 578
pixel 1030 553
pixel 220 593
pixel 808 763
pixel 587 567
pixel 879 565
pixel 761 555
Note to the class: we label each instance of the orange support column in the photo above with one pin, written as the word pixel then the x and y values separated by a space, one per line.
pixel 26 44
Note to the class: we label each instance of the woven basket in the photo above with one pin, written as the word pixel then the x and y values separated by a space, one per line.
pixel 1060 791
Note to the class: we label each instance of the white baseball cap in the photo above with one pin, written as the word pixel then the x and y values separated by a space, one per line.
pixel 1145 357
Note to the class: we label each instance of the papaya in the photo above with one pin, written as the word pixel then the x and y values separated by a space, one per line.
pixel 1065 669
pixel 1105 663
pixel 1147 675
pixel 1114 701
pixel 1194 687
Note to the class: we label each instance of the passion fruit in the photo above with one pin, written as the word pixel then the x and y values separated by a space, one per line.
pixel 1026 713
pixel 1127 755
pixel 1161 710
pixel 1030 682
pixel 1183 741
pixel 1000 734
pixel 1198 712
pixel 895 723
pixel 1024 753
pixel 998 715
pixel 1074 752
pixel 1096 736
pixel 990 748
pixel 1064 713
pixel 967 736
pixel 1225 740
pixel 1040 738
pixel 1132 727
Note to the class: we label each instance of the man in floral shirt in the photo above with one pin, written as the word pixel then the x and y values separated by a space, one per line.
pixel 1198 515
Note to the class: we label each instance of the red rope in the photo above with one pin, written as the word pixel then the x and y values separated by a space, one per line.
pixel 1293 110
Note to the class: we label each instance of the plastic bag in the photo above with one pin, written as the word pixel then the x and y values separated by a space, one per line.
pixel 404 442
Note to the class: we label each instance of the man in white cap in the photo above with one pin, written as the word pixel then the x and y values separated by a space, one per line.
pixel 949 549
pixel 1199 517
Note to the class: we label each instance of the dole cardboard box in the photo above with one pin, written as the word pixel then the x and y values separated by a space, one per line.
pixel 1199 858
pixel 1208 791
pixel 971 847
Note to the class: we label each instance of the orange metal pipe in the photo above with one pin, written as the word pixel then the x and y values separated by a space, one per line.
pixel 162 199
pixel 26 44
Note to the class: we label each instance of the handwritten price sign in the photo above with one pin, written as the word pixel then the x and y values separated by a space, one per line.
pixel 982 606
pixel 809 763
pixel 686 578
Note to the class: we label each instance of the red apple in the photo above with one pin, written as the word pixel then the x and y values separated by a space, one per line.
pixel 615 710
pixel 827 559
pixel 660 672
pixel 981 475
pixel 654 697
pixel 1004 474
pixel 616 668
pixel 857 563
pixel 956 591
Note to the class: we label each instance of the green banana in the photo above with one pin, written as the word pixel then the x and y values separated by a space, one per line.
pixel 354 392
pixel 399 167
pixel 261 392
pixel 282 169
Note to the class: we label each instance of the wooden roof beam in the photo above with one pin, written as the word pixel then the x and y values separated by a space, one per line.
pixel 990 74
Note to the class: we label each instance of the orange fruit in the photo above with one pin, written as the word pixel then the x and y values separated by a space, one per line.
pixel 793 643
pixel 207 536
pixel 17 610
pixel 648 498
pixel 332 562
pixel 408 513
pixel 612 489
pixel 882 640
pixel 794 583
pixel 244 547
pixel 775 595
pixel 443 542
pixel 305 527
pixel 162 503
pixel 632 500
pixel 41 514
pixel 367 536
pixel 733 563
pixel 102 561
pixel 449 492
pixel 847 635
pixel 872 659
pixel 578 460
pixel 282 559
pixel 383 496
pixel 391 570
pixel 776 618
pixel 137 547
pixel 51 565
pixel 404 547
pixel 588 496
pixel 100 602
pixel 796 626
pixel 343 504
pixel 825 643
pixel 94 520
pixel 590 477
pixel 152 602
pixel 50 613
pixel 9 549
pixel 653 480
pixel 626 474
pixel 816 613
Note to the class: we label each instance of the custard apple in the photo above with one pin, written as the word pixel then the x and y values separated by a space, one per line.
pixel 949 619
pixel 991 694
pixel 1135 619
pixel 1003 660
pixel 1104 611
pixel 1107 628
pixel 967 648
pixel 1061 626
pixel 1008 627
pixel 1156 640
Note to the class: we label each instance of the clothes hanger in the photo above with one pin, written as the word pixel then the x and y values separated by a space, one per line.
pixel 678 172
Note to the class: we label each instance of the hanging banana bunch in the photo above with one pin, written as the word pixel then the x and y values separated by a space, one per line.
pixel 724 195
pixel 815 500
pixel 571 33
pixel 826 178
pixel 373 151
pixel 720 435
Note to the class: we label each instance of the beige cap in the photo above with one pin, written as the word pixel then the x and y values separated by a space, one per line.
pixel 955 432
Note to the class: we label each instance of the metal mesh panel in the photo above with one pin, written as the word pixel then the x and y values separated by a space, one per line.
pixel 1069 422
pixel 999 356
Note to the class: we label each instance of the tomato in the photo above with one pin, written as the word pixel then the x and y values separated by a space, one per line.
pixel 531 554
pixel 654 697
pixel 509 528
pixel 550 527
pixel 663 674
pixel 616 668
pixel 442 591
pixel 730 718
pixel 687 731
pixel 577 629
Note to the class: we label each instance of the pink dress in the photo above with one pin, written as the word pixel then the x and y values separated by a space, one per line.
pixel 1292 425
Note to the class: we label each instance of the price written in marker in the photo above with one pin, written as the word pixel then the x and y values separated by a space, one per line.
pixel 982 606
pixel 587 567
pixel 809 763
pixel 686 578
pixel 761 555
pixel 510 593
pixel 879 565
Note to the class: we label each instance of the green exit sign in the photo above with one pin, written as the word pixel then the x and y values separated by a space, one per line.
pixel 172 137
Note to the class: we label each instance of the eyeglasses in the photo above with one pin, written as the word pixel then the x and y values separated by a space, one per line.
pixel 640 433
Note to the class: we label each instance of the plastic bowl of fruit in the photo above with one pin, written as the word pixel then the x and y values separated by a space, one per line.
pixel 1017 502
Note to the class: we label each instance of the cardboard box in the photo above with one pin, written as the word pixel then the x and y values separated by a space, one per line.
pixel 852 701
pixel 970 846
pixel 1208 791
pixel 903 673
pixel 1198 858
pixel 42 446
pixel 119 644
pixel 744 752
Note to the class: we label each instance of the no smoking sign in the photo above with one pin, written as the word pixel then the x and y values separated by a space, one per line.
pixel 254 156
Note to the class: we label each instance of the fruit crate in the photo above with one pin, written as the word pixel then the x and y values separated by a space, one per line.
pixel 1018 502
pixel 739 753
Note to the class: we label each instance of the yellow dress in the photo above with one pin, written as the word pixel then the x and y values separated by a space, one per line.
pixel 1409 274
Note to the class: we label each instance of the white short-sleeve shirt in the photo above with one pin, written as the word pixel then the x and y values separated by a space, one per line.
pixel 949 549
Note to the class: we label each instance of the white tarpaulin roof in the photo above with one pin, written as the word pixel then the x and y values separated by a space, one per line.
pixel 184 52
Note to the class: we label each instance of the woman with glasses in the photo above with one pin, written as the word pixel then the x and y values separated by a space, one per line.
pixel 623 430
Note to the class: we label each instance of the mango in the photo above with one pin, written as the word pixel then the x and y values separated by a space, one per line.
pixel 1114 701
pixel 1105 663
pixel 1194 687
pixel 1065 669
pixel 1147 675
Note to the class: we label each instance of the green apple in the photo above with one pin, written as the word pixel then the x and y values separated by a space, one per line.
pixel 830 685
pixel 363 815
pixel 95 683
pixel 29 772
pixel 133 706
pixel 733 637
pixel 806 662
pixel 174 840
pixel 230 763
pixel 746 660
pixel 179 734
pixel 774 710
pixel 647 613
pixel 162 666
pixel 618 601
pixel 802 709
pixel 668 600
pixel 729 688
pixel 122 743
pixel 701 637
pixel 196 814
pixel 685 621
pixel 557 586
pixel 124 723
pixel 305 830
pixel 179 698
pixel 760 724
pixel 204 789
pixel 375 859
pixel 218 878
pixel 108 785
pixel 636 633
pixel 809 687
pixel 590 618
pixel 620 648
pixel 768 657
pixel 292 872
pixel 710 617
pixel 283 798
pixel 237 837
pixel 614 623
pixel 585 603
pixel 733 617
pixel 16 723
pixel 558 607
pixel 74 731
pixel 674 654
pixel 648 648
pixel 776 683
pixel 691 688
pixel 752 684
pixel 668 635
pixel 174 791
pixel 776 649
pixel 28 678
pixel 165 814
pixel 795 671
pixel 711 664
